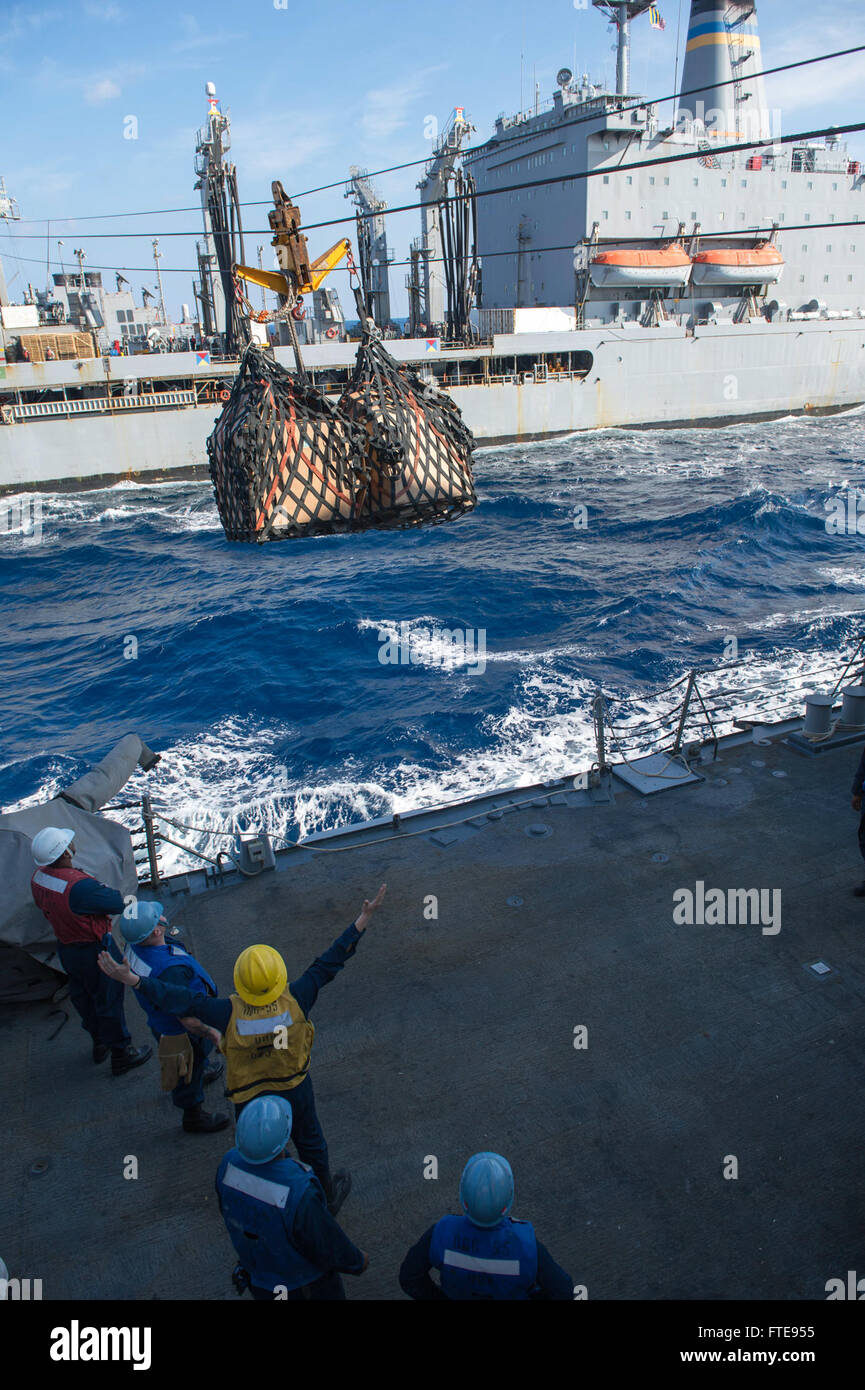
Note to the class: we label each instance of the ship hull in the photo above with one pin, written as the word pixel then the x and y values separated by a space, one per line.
pixel 667 376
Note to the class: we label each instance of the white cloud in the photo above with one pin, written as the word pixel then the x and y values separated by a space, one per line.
pixel 107 13
pixel 103 89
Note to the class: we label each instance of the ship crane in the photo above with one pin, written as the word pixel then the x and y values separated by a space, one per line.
pixel 372 249
pixel 428 282
pixel 297 275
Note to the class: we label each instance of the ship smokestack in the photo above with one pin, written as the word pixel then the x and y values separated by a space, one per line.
pixel 723 45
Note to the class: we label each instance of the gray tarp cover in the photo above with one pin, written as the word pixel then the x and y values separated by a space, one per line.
pixel 103 849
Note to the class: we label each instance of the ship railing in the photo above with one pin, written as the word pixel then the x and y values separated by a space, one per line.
pixel 696 710
pixel 102 405
pixel 702 705
pixel 148 835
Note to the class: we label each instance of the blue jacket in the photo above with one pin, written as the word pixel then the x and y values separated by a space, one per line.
pixel 859 780
pixel 500 1262
pixel 152 961
pixel 551 1281
pixel 259 1204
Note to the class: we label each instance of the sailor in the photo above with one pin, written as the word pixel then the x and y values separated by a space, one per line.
pixel 79 909
pixel 484 1254
pixel 183 1051
pixel 267 1036
pixel 857 791
pixel 288 1244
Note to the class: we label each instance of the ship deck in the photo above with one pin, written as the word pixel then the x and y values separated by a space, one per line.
pixel 442 1037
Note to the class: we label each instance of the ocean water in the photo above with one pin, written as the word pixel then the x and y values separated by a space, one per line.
pixel 257 671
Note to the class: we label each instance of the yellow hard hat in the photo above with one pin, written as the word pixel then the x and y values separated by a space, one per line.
pixel 260 975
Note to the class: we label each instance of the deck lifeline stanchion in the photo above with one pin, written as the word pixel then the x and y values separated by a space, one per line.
pixel 147 817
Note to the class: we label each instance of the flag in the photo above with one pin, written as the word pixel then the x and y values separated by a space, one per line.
pixel 655 19
pixel 202 359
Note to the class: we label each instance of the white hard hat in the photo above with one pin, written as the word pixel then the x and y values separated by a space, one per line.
pixel 48 844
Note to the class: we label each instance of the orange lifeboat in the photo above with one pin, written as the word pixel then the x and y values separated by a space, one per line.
pixel 739 265
pixel 646 268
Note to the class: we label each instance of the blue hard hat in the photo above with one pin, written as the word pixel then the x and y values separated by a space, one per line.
pixel 138 921
pixel 487 1189
pixel 264 1128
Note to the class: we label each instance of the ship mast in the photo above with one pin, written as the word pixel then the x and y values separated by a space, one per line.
pixel 621 15
pixel 8 213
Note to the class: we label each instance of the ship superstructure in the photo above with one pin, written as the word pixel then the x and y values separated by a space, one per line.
pixel 590 154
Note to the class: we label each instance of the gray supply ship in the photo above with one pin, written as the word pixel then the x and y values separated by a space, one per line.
pixel 587 266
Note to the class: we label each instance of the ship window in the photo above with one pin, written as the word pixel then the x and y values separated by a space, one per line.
pixel 849 277
pixel 605 215
pixel 829 247
pixel 666 183
pixel 628 215
pixel 606 178
pixel 652 180
pixel 804 246
pixel 665 215
pixel 810 184
pixel 628 178
pixel 722 216
pixel 825 279
pixel 801 279
pixel 723 183
pixel 853 249
pixel 696 183
pixel 831 217
pixel 807 217
pixel 834 188
pixel 693 216
pixel 744 183
pixel 783 183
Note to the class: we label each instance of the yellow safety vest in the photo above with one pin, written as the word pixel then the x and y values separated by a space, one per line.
pixel 266 1048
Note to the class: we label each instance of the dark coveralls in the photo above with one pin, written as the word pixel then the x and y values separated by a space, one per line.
pixel 189 1093
pixel 321 1240
pixel 306 1132
pixel 858 789
pixel 96 997
pixel 553 1283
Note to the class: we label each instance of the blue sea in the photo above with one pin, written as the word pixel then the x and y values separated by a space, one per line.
pixel 616 559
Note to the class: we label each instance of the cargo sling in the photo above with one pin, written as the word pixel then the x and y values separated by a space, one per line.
pixel 285 462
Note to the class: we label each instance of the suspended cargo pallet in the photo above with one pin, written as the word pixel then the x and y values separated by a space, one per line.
pixel 286 462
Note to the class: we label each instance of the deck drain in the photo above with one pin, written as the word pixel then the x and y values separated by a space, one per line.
pixel 495 815
pixel 721 782
pixel 779 773
pixel 539 830
pixel 756 762
pixel 514 901
pixel 660 858
pixel 762 742
pixel 42 1165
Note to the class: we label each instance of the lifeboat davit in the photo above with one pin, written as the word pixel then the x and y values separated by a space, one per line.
pixel 751 265
pixel 658 268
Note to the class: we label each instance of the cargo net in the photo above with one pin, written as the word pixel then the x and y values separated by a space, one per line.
pixel 286 463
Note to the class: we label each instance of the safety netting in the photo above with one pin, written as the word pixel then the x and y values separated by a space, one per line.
pixel 287 462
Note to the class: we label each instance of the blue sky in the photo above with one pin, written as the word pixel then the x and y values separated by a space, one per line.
pixel 312 88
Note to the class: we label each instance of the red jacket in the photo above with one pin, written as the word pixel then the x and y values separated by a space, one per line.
pixel 50 887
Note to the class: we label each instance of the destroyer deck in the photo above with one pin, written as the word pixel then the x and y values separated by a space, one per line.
pixel 446 1036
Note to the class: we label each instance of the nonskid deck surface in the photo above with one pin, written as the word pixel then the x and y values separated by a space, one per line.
pixel 442 1037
